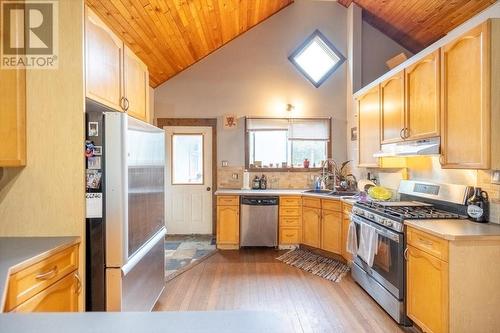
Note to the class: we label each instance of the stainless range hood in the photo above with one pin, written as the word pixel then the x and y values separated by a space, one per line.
pixel 410 148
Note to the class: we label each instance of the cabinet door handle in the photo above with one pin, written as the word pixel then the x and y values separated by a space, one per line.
pixel 127 104
pixel 401 133
pixel 405 254
pixel 47 275
pixel 79 283
pixel 406 132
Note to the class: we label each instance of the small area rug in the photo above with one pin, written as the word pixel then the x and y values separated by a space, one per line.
pixel 327 268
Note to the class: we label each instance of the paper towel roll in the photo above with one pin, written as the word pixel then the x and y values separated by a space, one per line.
pixel 246 180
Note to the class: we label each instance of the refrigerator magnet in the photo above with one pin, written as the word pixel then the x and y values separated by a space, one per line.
pixel 97 150
pixel 94 163
pixel 93 129
pixel 93 180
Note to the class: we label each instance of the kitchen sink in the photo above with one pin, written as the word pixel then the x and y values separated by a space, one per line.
pixel 319 191
pixel 343 193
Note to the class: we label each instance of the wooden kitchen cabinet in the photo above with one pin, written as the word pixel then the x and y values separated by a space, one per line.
pixel 427 292
pixel 331 231
pixel 13 117
pixel 48 285
pixel 465 92
pixel 311 226
pixel 422 98
pixel 392 109
pixel 62 296
pixel 290 220
pixel 228 226
pixel 103 63
pixel 136 83
pixel 368 128
pixel 115 76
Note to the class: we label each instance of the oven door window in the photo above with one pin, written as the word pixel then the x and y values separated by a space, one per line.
pixel 388 263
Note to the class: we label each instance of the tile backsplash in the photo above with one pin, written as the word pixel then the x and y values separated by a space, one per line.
pixel 275 180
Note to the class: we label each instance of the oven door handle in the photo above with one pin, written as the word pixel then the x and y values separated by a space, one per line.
pixel 386 233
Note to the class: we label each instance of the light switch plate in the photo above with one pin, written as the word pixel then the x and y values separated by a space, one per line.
pixel 495 177
pixel 225 163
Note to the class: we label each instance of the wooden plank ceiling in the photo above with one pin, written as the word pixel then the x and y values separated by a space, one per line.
pixel 171 35
pixel 415 24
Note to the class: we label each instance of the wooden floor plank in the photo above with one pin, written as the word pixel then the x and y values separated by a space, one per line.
pixel 252 279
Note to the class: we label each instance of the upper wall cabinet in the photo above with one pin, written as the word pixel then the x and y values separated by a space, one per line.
pixel 368 128
pixel 103 57
pixel 136 80
pixel 465 92
pixel 392 109
pixel 115 76
pixel 422 98
pixel 12 117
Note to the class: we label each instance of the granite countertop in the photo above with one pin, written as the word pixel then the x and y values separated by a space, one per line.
pixel 17 253
pixel 457 229
pixel 151 322
pixel 347 199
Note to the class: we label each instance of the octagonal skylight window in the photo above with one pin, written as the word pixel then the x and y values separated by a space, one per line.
pixel 316 58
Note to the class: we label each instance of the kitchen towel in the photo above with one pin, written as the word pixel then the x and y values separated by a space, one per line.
pixel 368 243
pixel 352 239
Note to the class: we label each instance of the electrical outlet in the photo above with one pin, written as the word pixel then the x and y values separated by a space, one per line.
pixel 234 176
pixel 495 177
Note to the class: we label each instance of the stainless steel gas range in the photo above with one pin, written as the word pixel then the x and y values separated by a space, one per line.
pixel 385 280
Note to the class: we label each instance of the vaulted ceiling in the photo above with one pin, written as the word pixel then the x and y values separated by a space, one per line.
pixel 415 24
pixel 171 35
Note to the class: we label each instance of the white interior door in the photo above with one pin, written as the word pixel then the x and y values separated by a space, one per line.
pixel 189 180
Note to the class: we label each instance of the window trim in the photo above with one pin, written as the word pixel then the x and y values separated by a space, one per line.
pixel 300 48
pixel 292 169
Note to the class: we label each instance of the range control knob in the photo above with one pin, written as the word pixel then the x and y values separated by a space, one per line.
pixel 388 223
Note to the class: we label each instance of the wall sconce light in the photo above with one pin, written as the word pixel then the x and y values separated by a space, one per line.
pixel 290 107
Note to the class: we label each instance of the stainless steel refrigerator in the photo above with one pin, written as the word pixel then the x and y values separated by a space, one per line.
pixel 125 247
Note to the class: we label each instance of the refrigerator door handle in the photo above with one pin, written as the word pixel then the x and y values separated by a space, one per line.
pixel 134 260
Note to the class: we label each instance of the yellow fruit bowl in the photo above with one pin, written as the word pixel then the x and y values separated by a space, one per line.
pixel 379 193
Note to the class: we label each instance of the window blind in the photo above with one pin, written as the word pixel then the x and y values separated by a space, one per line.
pixel 309 129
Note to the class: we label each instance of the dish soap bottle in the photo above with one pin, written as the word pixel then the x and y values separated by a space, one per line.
pixel 477 206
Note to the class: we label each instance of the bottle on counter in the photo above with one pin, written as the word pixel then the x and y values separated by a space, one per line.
pixel 263 182
pixel 256 183
pixel 477 206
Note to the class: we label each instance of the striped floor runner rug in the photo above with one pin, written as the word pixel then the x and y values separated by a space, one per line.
pixel 324 267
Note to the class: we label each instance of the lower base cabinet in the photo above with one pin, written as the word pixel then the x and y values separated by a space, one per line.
pixel 427 283
pixel 62 296
pixel 331 231
pixel 228 222
pixel 311 226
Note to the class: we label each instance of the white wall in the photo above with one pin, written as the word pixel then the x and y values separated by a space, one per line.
pixel 377 48
pixel 252 76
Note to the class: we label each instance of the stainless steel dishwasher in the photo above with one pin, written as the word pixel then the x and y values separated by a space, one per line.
pixel 259 221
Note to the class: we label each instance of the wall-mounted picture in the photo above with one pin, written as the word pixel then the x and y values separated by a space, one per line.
pixel 230 121
pixel 93 129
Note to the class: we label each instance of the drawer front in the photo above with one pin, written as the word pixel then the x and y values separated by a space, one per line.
pixel 290 211
pixel 335 205
pixel 290 221
pixel 311 202
pixel 228 200
pixel 430 244
pixel 33 279
pixel 290 236
pixel 62 296
pixel 290 201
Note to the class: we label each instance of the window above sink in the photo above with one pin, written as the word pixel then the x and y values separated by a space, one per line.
pixel 278 144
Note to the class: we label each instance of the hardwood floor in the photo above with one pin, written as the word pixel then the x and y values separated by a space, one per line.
pixel 252 279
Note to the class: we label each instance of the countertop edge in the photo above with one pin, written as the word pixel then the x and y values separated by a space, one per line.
pixel 28 262
pixel 285 193
pixel 452 237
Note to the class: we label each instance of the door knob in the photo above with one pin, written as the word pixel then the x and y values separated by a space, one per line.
pixel 208 188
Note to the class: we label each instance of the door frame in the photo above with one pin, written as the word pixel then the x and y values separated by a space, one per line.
pixel 200 122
